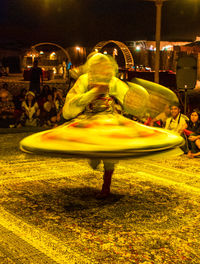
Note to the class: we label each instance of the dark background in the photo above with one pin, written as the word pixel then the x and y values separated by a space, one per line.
pixel 86 22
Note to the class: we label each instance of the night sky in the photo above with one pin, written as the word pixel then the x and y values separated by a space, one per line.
pixel 86 22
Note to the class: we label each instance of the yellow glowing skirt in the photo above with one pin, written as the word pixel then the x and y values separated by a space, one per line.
pixel 102 136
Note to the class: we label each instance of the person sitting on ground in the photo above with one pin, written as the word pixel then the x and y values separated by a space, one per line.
pixel 18 99
pixel 59 102
pixel 42 97
pixel 31 111
pixel 192 133
pixel 5 87
pixel 3 71
pixel 7 110
pixel 160 120
pixel 46 89
pixel 50 117
pixel 177 121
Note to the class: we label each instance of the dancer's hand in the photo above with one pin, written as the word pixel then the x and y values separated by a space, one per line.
pixel 100 89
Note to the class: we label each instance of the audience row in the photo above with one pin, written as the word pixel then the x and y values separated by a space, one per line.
pixel 45 110
pixel 27 109
pixel 188 127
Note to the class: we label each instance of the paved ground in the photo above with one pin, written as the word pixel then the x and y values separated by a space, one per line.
pixel 25 242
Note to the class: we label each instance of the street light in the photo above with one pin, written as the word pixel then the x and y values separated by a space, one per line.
pixel 78 50
pixel 158 4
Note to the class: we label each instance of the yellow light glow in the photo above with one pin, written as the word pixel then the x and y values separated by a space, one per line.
pixel 53 56
pixel 115 52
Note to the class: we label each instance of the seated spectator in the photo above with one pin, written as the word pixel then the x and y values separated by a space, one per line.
pixel 50 117
pixel 42 98
pixel 7 110
pixel 5 88
pixel 46 90
pixel 177 121
pixel 31 111
pixel 18 99
pixel 192 133
pixel 160 120
pixel 59 99
pixel 3 71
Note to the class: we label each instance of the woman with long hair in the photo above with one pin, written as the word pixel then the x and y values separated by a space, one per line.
pixel 193 134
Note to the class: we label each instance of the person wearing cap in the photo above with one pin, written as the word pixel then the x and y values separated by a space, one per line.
pixel 97 92
pixel 31 111
pixel 177 121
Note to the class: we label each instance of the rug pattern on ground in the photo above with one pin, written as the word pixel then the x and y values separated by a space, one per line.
pixel 152 216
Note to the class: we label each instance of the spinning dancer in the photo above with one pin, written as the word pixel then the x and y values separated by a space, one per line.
pixel 97 95
pixel 95 126
pixel 98 92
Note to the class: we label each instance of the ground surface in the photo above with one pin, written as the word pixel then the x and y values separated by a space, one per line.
pixel 48 213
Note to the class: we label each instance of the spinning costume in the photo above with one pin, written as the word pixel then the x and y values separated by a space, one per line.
pixel 96 127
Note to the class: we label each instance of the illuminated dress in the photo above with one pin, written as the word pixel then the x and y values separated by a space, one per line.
pixel 96 129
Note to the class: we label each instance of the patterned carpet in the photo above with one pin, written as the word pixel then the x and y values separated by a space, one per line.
pixel 48 203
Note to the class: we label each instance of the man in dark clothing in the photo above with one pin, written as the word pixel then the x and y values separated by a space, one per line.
pixel 35 76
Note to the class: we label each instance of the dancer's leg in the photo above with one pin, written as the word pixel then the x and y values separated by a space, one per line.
pixel 107 177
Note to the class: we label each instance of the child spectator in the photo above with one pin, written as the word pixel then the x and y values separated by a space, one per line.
pixel 31 111
pixel 7 110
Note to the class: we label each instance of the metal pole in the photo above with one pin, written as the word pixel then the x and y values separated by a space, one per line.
pixel 185 101
pixel 158 31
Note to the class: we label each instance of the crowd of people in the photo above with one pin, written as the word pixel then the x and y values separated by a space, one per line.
pixel 41 106
pixel 187 126
pixel 31 109
pixel 44 109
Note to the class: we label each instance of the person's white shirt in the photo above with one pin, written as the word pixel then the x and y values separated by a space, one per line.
pixel 176 124
pixel 31 110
